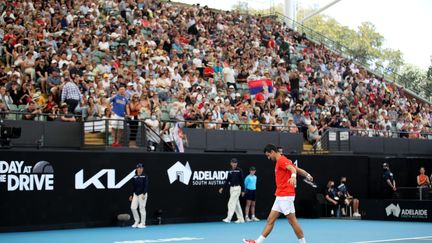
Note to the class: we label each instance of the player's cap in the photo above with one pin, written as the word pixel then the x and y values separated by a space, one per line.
pixel 234 160
pixel 252 168
pixel 139 165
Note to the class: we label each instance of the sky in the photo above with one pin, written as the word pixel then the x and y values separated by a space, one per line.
pixel 403 23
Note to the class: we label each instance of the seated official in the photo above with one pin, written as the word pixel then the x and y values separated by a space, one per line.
pixel 331 195
pixel 347 198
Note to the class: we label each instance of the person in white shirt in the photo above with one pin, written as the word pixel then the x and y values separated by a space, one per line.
pixel 84 9
pixel 152 132
pixel 228 75
pixel 104 44
pixel 167 137
pixel 197 61
pixel 104 67
pixel 5 97
pixel 175 75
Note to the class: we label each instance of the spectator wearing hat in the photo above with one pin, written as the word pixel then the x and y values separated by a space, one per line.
pixel 130 90
pixel 279 125
pixel 235 182
pixel 292 127
pixel 139 197
pixel 250 194
pixel 65 115
pixel 286 104
pixel 298 116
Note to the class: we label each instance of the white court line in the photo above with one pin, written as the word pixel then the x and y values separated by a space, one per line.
pixel 400 239
pixel 161 240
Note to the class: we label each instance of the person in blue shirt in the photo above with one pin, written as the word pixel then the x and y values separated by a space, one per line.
pixel 119 103
pixel 250 194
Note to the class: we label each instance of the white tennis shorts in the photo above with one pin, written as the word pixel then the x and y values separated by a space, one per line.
pixel 284 205
pixel 118 122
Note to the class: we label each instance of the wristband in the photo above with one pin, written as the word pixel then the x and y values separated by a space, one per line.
pixel 293 175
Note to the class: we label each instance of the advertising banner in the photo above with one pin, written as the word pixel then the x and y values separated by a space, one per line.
pixel 63 189
pixel 398 210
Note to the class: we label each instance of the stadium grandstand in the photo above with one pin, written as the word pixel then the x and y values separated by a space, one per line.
pixel 89 88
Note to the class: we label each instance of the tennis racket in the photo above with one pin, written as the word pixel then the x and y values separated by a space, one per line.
pixel 310 183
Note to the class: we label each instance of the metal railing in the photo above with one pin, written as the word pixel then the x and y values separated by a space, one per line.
pixel 38 116
pixel 136 134
pixel 338 139
pixel 417 193
pixel 226 125
pixel 323 143
pixel 390 134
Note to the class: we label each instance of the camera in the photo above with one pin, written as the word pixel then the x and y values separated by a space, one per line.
pixel 8 133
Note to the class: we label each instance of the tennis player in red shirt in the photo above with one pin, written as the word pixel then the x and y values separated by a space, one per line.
pixel 286 179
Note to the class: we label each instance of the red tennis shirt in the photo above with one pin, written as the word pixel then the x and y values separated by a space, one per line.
pixel 283 188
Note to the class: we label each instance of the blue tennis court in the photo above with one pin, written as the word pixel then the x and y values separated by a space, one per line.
pixel 316 231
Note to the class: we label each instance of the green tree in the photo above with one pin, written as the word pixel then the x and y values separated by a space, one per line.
pixel 390 61
pixel 364 44
pixel 428 85
pixel 414 78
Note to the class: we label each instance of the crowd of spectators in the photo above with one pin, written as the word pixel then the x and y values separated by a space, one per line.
pixel 68 59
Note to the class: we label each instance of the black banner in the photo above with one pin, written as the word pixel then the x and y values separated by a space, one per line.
pixel 398 210
pixel 61 189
